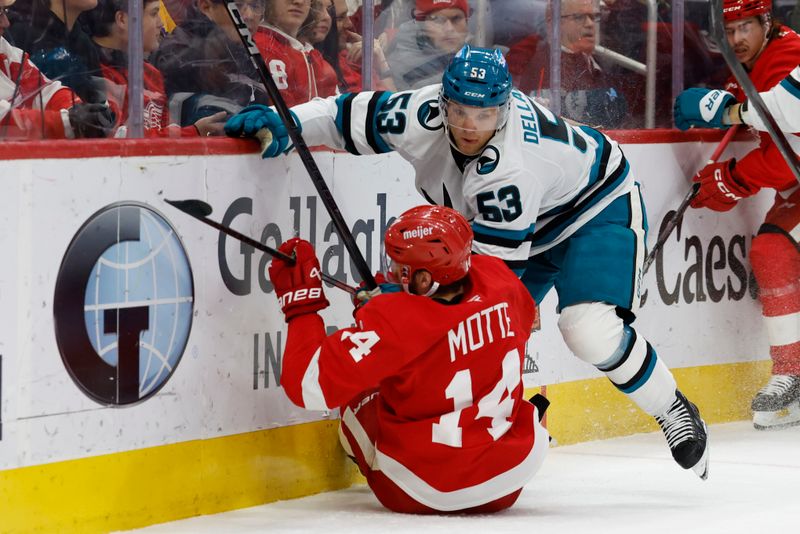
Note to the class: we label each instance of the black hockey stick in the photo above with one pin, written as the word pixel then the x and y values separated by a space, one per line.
pixel 754 99
pixel 678 215
pixel 302 149
pixel 201 210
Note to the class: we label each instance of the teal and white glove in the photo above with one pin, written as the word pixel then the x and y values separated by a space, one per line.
pixel 364 295
pixel 702 107
pixel 257 120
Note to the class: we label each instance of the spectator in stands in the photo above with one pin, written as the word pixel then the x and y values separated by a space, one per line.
pixel 702 63
pixel 318 24
pixel 588 93
pixel 320 32
pixel 205 66
pixel 49 31
pixel 350 47
pixel 298 69
pixel 32 106
pixel 108 26
pixel 424 46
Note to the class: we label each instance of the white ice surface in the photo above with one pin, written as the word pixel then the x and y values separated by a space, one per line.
pixel 623 485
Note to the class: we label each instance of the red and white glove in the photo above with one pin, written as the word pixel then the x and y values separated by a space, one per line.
pixel 298 286
pixel 721 187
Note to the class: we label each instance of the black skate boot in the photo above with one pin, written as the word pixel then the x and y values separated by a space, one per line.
pixel 686 435
pixel 777 405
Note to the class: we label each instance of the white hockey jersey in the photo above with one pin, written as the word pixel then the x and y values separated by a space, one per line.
pixel 782 101
pixel 536 182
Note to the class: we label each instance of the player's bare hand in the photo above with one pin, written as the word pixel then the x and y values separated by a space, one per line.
pixel 211 125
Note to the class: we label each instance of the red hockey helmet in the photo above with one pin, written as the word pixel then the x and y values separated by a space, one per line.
pixel 733 10
pixel 434 238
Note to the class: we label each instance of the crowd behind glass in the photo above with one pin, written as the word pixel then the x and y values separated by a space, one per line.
pixel 64 64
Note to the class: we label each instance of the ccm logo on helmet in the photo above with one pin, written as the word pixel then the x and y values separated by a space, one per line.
pixel 300 294
pixel 476 95
pixel 419 231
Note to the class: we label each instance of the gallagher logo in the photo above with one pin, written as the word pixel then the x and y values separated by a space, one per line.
pixel 123 304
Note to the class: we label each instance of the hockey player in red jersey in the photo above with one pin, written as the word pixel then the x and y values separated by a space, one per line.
pixel 769 52
pixel 429 381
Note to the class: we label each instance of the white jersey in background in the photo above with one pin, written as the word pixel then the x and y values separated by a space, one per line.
pixel 521 201
pixel 782 101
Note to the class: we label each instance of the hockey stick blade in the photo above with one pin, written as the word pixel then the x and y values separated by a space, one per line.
pixel 193 207
pixel 200 211
pixel 678 215
pixel 300 146
pixel 718 31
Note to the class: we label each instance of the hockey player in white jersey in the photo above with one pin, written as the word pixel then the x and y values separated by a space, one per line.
pixel 714 108
pixel 558 203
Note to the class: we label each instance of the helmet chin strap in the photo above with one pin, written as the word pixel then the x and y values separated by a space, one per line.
pixel 433 289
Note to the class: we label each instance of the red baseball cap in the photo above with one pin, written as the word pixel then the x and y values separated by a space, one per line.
pixel 426 7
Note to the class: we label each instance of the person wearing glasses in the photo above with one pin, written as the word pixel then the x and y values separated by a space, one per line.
pixel 424 46
pixel 588 93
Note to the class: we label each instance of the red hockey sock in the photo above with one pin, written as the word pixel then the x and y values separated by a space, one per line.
pixel 776 265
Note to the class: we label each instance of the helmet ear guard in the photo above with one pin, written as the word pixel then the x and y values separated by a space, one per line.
pixel 436 239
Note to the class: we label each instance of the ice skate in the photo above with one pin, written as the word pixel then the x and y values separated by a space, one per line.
pixel 686 435
pixel 777 405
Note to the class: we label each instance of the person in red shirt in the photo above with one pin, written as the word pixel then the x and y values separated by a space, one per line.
pixel 429 381
pixel 108 26
pixel 33 106
pixel 298 69
pixel 769 51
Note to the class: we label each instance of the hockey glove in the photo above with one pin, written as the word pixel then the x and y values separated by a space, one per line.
pixel 298 286
pixel 363 295
pixel 256 117
pixel 721 187
pixel 91 120
pixel 701 107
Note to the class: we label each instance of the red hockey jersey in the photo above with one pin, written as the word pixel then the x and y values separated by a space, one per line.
pixel 454 427
pixel 157 121
pixel 30 104
pixel 299 71
pixel 764 166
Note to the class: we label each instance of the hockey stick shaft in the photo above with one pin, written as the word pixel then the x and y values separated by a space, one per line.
pixel 755 101
pixel 199 209
pixel 302 149
pixel 678 215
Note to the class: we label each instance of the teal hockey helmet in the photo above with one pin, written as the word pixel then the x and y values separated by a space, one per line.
pixel 477 77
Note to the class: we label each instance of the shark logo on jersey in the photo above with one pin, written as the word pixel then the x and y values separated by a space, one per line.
pixel 488 160
pixel 429 115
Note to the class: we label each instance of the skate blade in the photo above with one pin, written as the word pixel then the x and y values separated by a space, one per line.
pixel 701 467
pixel 789 416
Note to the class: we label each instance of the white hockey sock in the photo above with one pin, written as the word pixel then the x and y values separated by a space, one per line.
pixel 637 371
